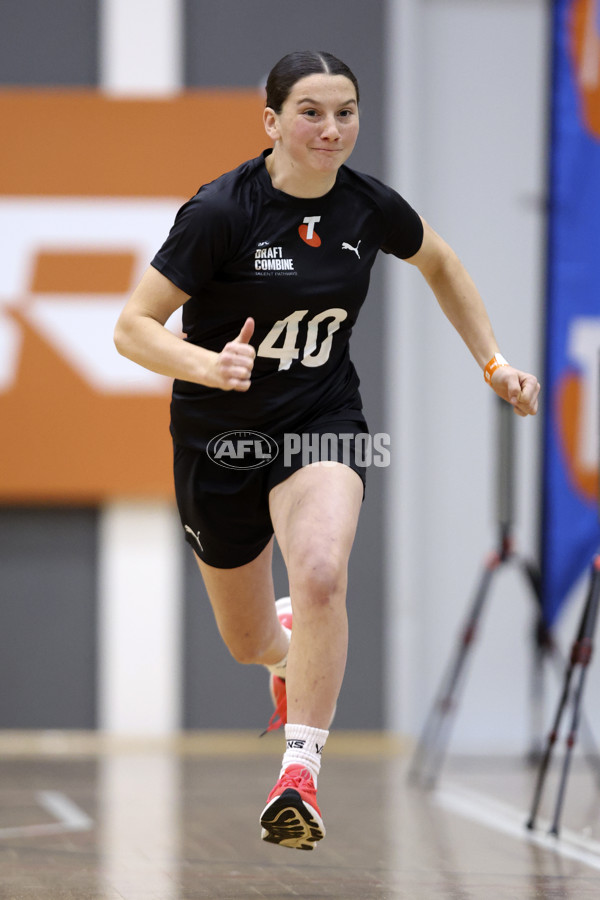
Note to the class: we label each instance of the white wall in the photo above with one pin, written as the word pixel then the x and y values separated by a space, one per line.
pixel 466 145
pixel 140 554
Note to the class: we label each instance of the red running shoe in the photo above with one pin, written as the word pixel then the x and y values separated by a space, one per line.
pixel 291 817
pixel 276 684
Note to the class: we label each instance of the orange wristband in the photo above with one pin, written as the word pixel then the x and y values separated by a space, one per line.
pixel 495 362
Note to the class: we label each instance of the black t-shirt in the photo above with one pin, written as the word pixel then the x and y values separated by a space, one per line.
pixel 301 268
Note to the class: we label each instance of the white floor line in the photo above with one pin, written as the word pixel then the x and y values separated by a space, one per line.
pixel 63 809
pixel 509 820
pixel 70 818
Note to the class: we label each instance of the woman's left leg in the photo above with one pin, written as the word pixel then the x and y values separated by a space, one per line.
pixel 315 514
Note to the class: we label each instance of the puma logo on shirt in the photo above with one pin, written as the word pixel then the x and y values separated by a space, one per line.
pixel 347 246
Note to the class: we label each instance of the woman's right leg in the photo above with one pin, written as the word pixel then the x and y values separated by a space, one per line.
pixel 243 602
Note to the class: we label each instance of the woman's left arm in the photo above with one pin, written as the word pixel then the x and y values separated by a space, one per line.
pixel 461 302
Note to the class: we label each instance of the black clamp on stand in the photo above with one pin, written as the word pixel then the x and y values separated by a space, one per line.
pixel 581 654
pixel 431 747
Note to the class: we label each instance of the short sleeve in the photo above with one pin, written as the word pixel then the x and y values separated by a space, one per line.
pixel 404 227
pixel 201 240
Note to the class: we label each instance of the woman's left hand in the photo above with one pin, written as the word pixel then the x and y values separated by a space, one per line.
pixel 520 389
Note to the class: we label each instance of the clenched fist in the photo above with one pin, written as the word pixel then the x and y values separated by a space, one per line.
pixel 232 367
pixel 520 389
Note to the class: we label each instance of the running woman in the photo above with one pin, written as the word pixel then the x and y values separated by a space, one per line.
pixel 271 265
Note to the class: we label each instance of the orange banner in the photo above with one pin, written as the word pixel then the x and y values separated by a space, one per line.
pixel 89 186
pixel 585 51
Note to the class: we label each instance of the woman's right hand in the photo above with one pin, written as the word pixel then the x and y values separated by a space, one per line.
pixel 232 367
pixel 141 335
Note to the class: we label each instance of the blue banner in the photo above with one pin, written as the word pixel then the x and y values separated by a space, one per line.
pixel 571 529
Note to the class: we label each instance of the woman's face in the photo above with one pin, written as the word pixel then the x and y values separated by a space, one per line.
pixel 318 123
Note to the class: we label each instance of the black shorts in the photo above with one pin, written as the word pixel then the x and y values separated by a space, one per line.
pixel 223 490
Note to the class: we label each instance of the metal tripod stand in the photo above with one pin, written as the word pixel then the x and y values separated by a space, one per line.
pixel 432 745
pixel 577 665
pixel 581 654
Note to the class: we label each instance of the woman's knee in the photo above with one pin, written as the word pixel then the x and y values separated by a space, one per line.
pixel 249 647
pixel 320 577
pixel 245 652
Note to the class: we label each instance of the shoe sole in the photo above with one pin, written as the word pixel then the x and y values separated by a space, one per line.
pixel 291 822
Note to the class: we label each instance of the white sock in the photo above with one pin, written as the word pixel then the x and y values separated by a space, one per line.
pixel 304 748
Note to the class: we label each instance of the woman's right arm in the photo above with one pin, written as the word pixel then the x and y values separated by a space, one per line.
pixel 141 336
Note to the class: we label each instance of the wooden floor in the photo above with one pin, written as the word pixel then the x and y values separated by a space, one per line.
pixel 88 819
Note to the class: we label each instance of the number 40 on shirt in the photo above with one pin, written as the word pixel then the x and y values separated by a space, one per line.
pixel 313 353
